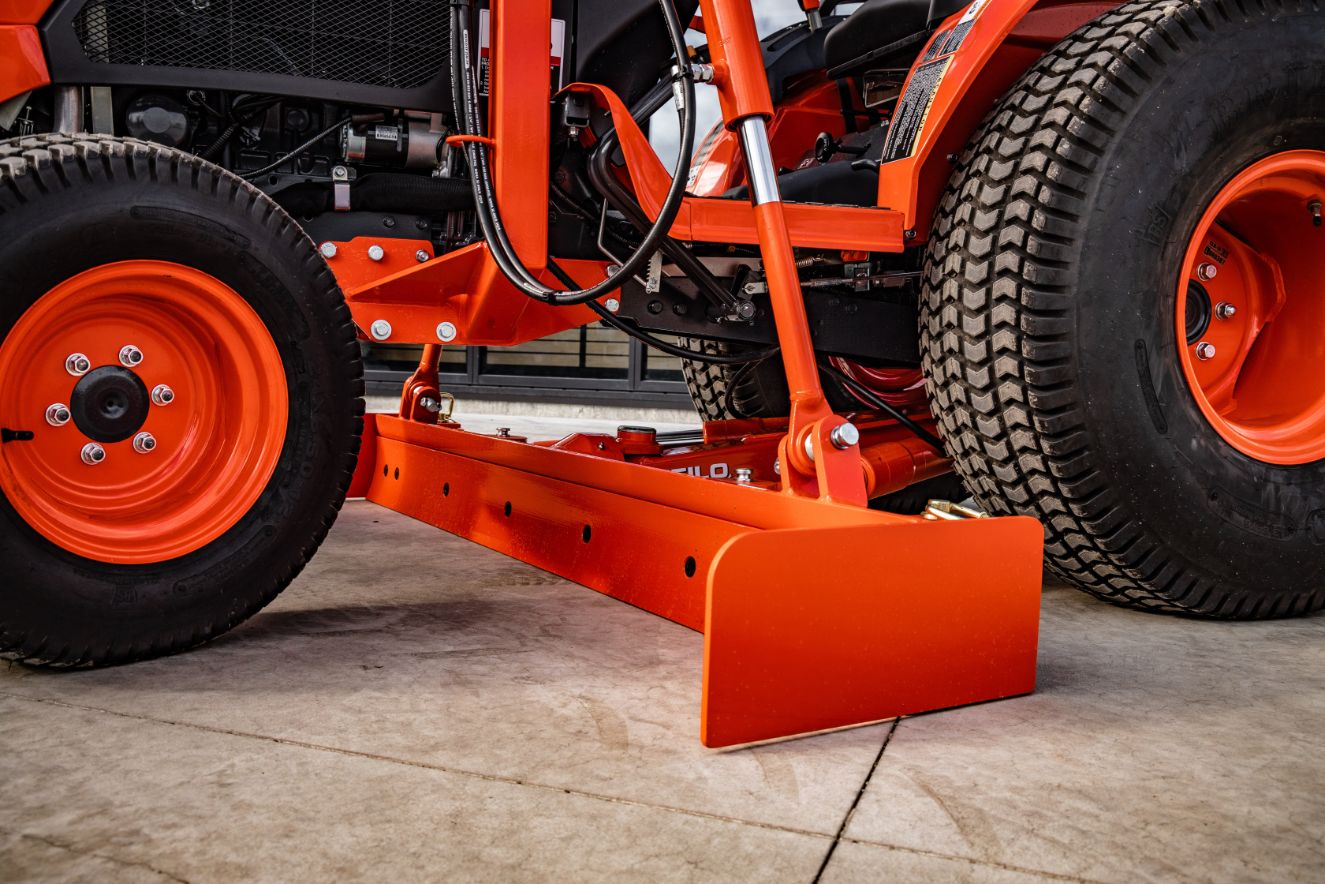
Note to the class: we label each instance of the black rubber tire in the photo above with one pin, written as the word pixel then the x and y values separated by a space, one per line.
pixel 1049 315
pixel 69 203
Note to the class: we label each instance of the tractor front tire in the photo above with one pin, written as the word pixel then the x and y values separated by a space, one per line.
pixel 1151 173
pixel 180 396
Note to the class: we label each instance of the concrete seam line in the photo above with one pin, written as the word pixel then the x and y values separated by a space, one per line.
pixel 846 818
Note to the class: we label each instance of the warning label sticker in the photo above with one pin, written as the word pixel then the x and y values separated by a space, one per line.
pixel 913 110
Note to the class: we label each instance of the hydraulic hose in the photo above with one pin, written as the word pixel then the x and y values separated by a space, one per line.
pixel 469 119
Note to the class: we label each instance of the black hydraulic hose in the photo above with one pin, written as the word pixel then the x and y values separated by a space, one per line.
pixel 382 192
pixel 869 396
pixel 470 121
pixel 658 343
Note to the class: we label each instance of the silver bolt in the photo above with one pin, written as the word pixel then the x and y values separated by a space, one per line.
pixel 92 454
pixel 613 269
pixel 1207 272
pixel 744 475
pixel 422 256
pixel 1225 310
pixel 612 305
pixel 376 252
pixel 162 395
pixel 777 467
pixel 380 329
pixel 809 447
pixel 58 415
pixel 504 432
pixel 130 356
pixel 845 435
pixel 1205 351
pixel 328 250
pixel 77 364
pixel 144 443
pixel 446 332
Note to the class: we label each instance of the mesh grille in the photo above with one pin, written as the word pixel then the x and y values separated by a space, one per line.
pixel 398 44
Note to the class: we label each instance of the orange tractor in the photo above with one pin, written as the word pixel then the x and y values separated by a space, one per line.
pixel 1059 261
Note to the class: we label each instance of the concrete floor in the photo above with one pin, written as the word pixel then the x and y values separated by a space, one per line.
pixel 418 708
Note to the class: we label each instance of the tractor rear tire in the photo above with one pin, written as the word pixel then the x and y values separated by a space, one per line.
pixel 1053 320
pixel 135 523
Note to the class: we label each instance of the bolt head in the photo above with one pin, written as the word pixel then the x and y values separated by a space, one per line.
pixel 144 443
pixel 328 250
pixel 1225 310
pixel 58 414
pixel 777 467
pixel 744 475
pixel 446 332
pixel 422 256
pixel 162 395
pixel 77 364
pixel 612 305
pixel 130 356
pixel 380 329
pixel 845 435
pixel 376 252
pixel 1207 272
pixel 92 454
pixel 1205 351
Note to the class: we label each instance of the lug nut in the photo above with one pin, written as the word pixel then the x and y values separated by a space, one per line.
pixel 376 252
pixel 1225 310
pixel 380 329
pixel 162 395
pixel 422 256
pixel 1207 272
pixel 446 332
pixel 58 415
pixel 130 356
pixel 845 435
pixel 144 443
pixel 328 250
pixel 92 454
pixel 1205 351
pixel 77 364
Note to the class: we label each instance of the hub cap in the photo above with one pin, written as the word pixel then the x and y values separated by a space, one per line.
pixel 213 449
pixel 1251 310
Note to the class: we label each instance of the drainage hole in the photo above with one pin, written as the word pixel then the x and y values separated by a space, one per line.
pixel 508 509
pixel 690 566
pixel 396 474
pixel 385 469
pixel 587 533
pixel 446 489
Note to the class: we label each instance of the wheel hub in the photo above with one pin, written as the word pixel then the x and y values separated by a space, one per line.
pixel 1251 310
pixel 109 404
pixel 176 417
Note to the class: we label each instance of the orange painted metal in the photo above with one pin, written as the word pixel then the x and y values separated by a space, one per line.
pixel 738 60
pixel 355 270
pixel 24 66
pixel 23 12
pixel 703 219
pixel 991 57
pixel 466 289
pixel 1259 251
pixel 218 442
pixel 800 637
pixel 520 117
pixel 846 639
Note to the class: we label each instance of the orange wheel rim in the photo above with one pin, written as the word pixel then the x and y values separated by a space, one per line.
pixel 216 412
pixel 1251 310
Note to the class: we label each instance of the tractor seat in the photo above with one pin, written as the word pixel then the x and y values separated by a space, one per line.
pixel 883 34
